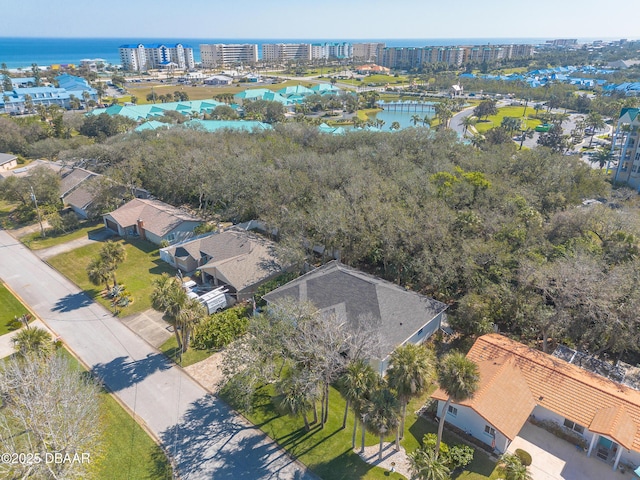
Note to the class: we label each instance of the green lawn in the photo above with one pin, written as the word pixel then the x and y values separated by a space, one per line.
pixel 381 80
pixel 129 451
pixel 204 92
pixel 495 120
pixel 5 214
pixel 364 113
pixel 191 356
pixel 328 452
pixel 35 241
pixel 10 307
pixel 142 265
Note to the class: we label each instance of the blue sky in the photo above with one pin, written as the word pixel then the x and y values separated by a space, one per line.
pixel 323 19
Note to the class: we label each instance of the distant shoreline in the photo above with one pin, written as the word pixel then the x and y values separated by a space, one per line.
pixel 21 52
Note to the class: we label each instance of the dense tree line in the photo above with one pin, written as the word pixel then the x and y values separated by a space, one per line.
pixel 416 207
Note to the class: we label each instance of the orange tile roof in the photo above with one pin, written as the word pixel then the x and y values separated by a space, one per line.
pixel 509 412
pixel 595 402
pixel 616 423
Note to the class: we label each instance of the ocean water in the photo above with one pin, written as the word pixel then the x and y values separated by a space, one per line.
pixel 22 52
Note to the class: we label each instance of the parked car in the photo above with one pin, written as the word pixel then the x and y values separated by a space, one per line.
pixel 545 127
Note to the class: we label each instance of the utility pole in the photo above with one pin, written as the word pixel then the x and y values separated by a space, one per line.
pixel 35 201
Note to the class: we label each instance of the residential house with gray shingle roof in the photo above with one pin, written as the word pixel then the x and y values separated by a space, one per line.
pixel 236 258
pixel 8 161
pixel 401 316
pixel 151 220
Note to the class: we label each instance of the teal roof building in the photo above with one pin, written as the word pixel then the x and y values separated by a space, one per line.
pixel 144 112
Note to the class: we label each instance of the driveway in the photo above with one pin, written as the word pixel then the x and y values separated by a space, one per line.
pixel 202 435
pixel 555 459
pixel 93 237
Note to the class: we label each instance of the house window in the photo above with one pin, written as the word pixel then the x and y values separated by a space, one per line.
pixel 573 426
pixel 171 237
pixel 453 411
pixel 420 331
pixel 489 430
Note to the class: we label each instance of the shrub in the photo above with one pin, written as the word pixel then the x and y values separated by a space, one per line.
pixel 460 456
pixel 220 329
pixel 457 456
pixel 429 443
pixel 525 457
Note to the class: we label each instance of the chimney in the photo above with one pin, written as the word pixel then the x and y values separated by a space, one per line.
pixel 141 229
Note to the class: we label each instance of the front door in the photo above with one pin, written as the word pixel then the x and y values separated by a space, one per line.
pixel 606 449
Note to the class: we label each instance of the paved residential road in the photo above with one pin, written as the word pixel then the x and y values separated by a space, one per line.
pixel 204 437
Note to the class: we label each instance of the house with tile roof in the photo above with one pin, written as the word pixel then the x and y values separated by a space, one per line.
pixel 401 316
pixel 236 258
pixel 518 382
pixel 151 220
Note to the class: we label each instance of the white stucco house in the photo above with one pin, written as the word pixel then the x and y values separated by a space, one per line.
pixel 518 382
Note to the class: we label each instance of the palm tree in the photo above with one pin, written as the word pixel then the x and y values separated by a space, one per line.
pixel 467 122
pixel 510 124
pixel 602 156
pixel 356 384
pixel 443 113
pixel 410 372
pixel 514 469
pixel 382 415
pixel 458 377
pixel 395 126
pixel 190 315
pixel 170 298
pixel 33 341
pixel 28 103
pixel 426 121
pixel 594 121
pixel 296 396
pixel 86 96
pixel 425 465
pixel 113 254
pixel 99 272
pixel 416 119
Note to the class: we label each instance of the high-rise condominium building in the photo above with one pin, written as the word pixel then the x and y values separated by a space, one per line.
pixel 366 52
pixel 220 54
pixel 331 50
pixel 144 57
pixel 276 52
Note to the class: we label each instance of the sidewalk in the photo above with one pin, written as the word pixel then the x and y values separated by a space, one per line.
pixel 6 343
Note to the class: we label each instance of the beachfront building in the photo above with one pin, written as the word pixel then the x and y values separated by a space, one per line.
pixel 320 51
pixel 626 140
pixel 367 52
pixel 282 52
pixel 142 57
pixel 221 55
pixel 416 57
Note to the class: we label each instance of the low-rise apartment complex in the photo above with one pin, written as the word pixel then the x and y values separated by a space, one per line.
pixel 142 57
pixel 220 54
